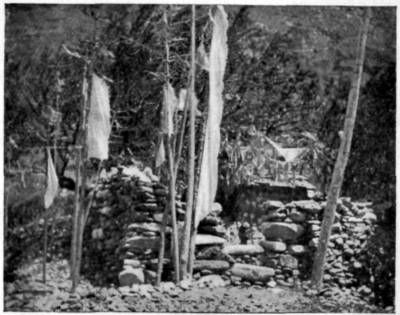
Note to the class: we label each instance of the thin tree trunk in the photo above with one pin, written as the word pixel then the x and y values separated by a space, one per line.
pixel 190 191
pixel 341 161
pixel 171 166
pixel 46 223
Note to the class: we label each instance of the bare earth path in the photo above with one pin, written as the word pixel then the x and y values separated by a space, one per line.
pixel 28 293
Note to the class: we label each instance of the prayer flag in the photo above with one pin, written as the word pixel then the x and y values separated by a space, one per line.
pixel 52 182
pixel 209 166
pixel 99 127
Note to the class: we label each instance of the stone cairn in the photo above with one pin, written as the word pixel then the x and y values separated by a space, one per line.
pixel 123 230
pixel 123 233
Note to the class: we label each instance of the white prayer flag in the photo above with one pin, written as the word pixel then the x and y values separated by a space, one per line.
pixel 52 182
pixel 209 166
pixel 99 127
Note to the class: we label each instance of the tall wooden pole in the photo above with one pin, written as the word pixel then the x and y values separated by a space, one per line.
pixel 341 161
pixel 190 191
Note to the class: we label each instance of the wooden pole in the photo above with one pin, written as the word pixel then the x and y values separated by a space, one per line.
pixel 193 231
pixel 190 191
pixel 82 215
pixel 75 221
pixel 341 161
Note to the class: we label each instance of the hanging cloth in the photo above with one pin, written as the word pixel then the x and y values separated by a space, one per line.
pixel 209 166
pixel 99 127
pixel 160 156
pixel 170 105
pixel 52 182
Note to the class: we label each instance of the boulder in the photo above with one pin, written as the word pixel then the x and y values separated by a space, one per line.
pixel 217 266
pixel 310 206
pixel 210 220
pixel 206 239
pixel 243 249
pixel 252 273
pixel 131 276
pixel 281 230
pixel 273 246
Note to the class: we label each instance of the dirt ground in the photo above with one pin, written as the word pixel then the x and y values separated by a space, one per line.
pixel 28 293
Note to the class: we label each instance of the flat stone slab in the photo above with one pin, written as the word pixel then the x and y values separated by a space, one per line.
pixel 243 249
pixel 281 231
pixel 310 206
pixel 217 266
pixel 273 246
pixel 252 273
pixel 151 227
pixel 273 205
pixel 142 242
pixel 207 239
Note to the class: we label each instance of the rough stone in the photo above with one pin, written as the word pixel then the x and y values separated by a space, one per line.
pixel 310 206
pixel 130 276
pixel 211 281
pixel 142 243
pixel 252 273
pixel 281 230
pixel 150 227
pixel 297 216
pixel 288 261
pixel 273 205
pixel 217 266
pixel 217 230
pixel 243 249
pixel 273 246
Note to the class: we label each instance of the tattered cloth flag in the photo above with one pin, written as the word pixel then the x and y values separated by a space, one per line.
pixel 99 127
pixel 160 155
pixel 202 59
pixel 52 182
pixel 170 104
pixel 209 166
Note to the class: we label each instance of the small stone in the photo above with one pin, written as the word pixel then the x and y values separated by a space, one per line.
pixel 243 249
pixel 273 246
pixel 288 261
pixel 252 273
pixel 297 249
pixel 211 281
pixel 273 205
pixel 271 284
pixel 297 216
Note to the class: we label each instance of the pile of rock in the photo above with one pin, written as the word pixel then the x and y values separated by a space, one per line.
pixel 123 231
